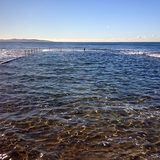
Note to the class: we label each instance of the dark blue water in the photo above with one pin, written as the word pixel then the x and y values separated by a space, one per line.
pixel 101 103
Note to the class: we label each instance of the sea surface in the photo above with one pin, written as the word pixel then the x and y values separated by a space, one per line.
pixel 59 102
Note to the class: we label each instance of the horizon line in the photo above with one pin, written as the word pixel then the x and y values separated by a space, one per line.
pixel 49 40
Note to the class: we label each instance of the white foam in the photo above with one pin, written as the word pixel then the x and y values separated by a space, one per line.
pixel 62 49
pixel 140 52
pixel 47 50
pixel 8 54
pixel 132 52
pixel 155 55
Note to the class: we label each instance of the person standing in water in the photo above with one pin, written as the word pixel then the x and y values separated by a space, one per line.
pixel 84 49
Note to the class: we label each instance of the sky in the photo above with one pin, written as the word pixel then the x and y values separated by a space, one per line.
pixel 81 20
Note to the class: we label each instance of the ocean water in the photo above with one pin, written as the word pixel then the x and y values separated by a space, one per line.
pixel 60 102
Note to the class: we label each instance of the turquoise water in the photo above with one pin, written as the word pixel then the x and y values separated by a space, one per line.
pixel 66 103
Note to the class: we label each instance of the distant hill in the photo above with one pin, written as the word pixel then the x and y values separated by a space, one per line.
pixel 23 40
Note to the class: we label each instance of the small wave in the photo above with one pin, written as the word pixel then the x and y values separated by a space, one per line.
pixel 140 52
pixel 62 49
pixel 132 52
pixel 7 55
pixel 155 55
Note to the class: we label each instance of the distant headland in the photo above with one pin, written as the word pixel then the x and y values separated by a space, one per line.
pixel 23 40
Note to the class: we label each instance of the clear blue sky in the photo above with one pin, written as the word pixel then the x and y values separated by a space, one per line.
pixel 81 20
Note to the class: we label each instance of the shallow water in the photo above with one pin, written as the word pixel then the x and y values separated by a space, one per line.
pixel 101 104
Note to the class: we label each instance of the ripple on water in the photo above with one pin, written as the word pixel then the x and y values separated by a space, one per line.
pixel 90 134
pixel 71 106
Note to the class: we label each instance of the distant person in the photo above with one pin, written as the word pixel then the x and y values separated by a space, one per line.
pixel 84 49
